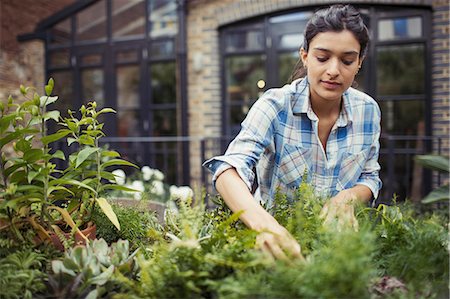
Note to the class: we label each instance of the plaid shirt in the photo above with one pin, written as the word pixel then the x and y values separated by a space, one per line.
pixel 279 137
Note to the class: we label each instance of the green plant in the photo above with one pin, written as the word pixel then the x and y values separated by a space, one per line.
pixel 33 191
pixel 441 164
pixel 88 271
pixel 135 224
pixel 22 274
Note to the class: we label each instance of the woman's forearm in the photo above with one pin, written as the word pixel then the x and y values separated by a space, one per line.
pixel 238 198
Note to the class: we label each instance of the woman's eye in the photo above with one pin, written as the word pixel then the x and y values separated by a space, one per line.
pixel 322 59
pixel 347 62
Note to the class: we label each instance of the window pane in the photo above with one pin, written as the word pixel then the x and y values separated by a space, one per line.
pixel 286 64
pixel 402 117
pixel 128 18
pixel 245 79
pixel 60 33
pixel 128 123
pixel 91 59
pixel 290 41
pixel 64 90
pixel 244 40
pixel 400 70
pixel 164 122
pixel 399 28
pixel 128 79
pixel 91 23
pixel 60 58
pixel 92 86
pixel 127 56
pixel 163 18
pixel 162 49
pixel 163 83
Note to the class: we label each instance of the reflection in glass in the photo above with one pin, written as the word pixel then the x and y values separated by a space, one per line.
pixel 92 86
pixel 128 18
pixel 402 117
pixel 160 49
pixel 127 56
pixel 400 69
pixel 286 64
pixel 60 58
pixel 164 122
pixel 64 90
pixel 163 18
pixel 60 33
pixel 128 81
pixel 163 83
pixel 244 40
pixel 91 23
pixel 292 17
pixel 128 123
pixel 290 41
pixel 389 29
pixel 242 76
pixel 91 59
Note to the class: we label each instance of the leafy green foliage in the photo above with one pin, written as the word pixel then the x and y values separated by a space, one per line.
pixel 441 164
pixel 135 226
pixel 22 274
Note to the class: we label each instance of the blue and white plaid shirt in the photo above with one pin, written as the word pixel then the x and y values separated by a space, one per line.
pixel 279 137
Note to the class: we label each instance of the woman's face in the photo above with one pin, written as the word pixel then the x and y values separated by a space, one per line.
pixel 332 63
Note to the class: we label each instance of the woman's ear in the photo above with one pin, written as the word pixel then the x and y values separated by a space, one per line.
pixel 361 59
pixel 303 56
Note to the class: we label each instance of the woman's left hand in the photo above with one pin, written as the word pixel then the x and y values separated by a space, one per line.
pixel 340 212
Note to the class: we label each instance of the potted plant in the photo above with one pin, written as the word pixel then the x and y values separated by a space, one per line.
pixel 34 192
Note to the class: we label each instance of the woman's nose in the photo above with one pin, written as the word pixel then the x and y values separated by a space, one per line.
pixel 333 68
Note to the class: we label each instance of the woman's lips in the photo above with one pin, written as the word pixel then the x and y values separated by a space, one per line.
pixel 330 84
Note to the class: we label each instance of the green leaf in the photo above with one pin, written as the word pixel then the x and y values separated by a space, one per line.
pixel 86 140
pixel 5 121
pixel 110 154
pixel 70 182
pixel 9 137
pixel 84 154
pixel 49 86
pixel 70 140
pixel 439 194
pixel 55 188
pixel 106 110
pixel 118 187
pixel 32 175
pixel 59 155
pixel 47 100
pixel 23 145
pixel 117 162
pixel 54 137
pixel 52 115
pixel 33 155
pixel 107 209
pixel 435 162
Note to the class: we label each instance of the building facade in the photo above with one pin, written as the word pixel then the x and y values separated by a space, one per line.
pixel 183 74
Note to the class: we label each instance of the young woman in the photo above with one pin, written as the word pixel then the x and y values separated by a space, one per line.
pixel 318 128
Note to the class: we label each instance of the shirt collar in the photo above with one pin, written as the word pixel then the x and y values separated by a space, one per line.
pixel 302 104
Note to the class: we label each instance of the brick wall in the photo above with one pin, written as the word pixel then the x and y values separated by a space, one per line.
pixel 440 71
pixel 206 16
pixel 23 63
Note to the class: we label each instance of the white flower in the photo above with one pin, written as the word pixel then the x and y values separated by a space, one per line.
pixel 183 192
pixel 147 173
pixel 157 188
pixel 120 176
pixel 139 186
pixel 158 175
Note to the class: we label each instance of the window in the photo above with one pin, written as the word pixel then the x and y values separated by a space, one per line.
pixel 121 53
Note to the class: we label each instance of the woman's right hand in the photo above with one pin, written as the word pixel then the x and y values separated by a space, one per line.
pixel 277 242
pixel 273 239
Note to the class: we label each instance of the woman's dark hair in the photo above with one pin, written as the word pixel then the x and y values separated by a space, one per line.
pixel 335 18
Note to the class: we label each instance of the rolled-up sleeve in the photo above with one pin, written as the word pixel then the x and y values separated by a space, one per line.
pixel 370 175
pixel 245 150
